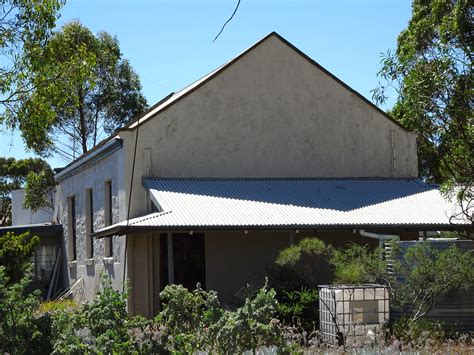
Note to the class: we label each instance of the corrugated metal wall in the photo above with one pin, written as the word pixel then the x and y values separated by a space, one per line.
pixel 21 216
pixel 457 309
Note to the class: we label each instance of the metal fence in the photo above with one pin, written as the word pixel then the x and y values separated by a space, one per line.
pixel 456 310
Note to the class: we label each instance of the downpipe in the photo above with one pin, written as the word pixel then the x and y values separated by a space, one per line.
pixel 380 237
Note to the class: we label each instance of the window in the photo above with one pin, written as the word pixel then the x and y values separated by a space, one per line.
pixel 72 228
pixel 89 224
pixel 43 259
pixel 108 216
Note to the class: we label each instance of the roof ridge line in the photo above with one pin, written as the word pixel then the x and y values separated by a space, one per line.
pixel 149 216
pixel 284 178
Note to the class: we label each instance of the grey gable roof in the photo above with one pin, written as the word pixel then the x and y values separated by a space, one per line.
pixel 274 203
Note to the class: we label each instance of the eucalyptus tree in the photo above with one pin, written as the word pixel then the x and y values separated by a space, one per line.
pixel 431 71
pixel 84 90
pixel 34 175
pixel 24 26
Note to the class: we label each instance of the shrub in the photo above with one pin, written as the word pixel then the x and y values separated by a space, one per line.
pixel 418 332
pixel 15 253
pixel 299 308
pixel 104 327
pixel 187 315
pixel 357 264
pixel 249 327
pixel 303 265
pixel 426 276
pixel 310 246
pixel 22 331
pixel 195 321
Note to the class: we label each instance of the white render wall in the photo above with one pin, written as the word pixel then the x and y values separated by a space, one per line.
pixel 108 168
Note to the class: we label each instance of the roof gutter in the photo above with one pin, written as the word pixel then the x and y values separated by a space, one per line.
pixel 89 159
pixel 121 229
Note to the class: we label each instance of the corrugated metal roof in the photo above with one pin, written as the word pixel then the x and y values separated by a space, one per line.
pixel 213 203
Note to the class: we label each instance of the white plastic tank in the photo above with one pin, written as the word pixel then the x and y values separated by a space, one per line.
pixel 347 311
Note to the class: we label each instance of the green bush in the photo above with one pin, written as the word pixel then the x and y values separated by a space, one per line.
pixel 195 321
pixel 357 264
pixel 310 246
pixel 426 275
pixel 187 315
pixel 303 265
pixel 15 253
pixel 249 327
pixel 418 332
pixel 300 308
pixel 104 327
pixel 22 329
pixel 300 268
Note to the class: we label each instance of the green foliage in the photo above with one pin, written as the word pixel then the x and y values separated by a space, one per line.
pixel 195 321
pixel 102 327
pixel 299 308
pixel 303 265
pixel 22 331
pixel 103 92
pixel 422 330
pixel 357 264
pixel 24 25
pixel 13 172
pixel 39 190
pixel 190 321
pixel 427 276
pixel 431 71
pixel 310 246
pixel 35 175
pixel 187 315
pixel 250 326
pixel 15 253
pixel 353 264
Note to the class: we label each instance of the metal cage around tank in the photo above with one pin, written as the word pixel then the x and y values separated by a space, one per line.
pixel 347 312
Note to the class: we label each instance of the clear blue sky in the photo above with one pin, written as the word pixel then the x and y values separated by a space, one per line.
pixel 169 43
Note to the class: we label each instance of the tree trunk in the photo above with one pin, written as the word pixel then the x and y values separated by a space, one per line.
pixel 94 142
pixel 82 121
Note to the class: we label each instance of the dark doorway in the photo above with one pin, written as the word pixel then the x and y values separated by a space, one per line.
pixel 189 260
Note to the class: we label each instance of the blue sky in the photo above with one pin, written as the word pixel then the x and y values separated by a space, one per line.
pixel 169 43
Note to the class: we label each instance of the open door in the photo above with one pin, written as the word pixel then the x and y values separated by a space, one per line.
pixel 189 260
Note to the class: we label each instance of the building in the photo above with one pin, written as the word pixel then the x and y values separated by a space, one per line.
pixel 213 181
pixel 48 273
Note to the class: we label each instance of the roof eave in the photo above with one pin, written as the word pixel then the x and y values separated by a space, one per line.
pixel 132 229
pixel 90 158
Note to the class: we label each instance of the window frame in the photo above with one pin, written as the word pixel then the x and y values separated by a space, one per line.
pixel 108 217
pixel 89 200
pixel 72 228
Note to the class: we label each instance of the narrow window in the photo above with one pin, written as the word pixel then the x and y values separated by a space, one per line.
pixel 72 227
pixel 89 224
pixel 108 216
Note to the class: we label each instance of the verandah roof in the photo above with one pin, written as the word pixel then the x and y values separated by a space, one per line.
pixel 292 203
